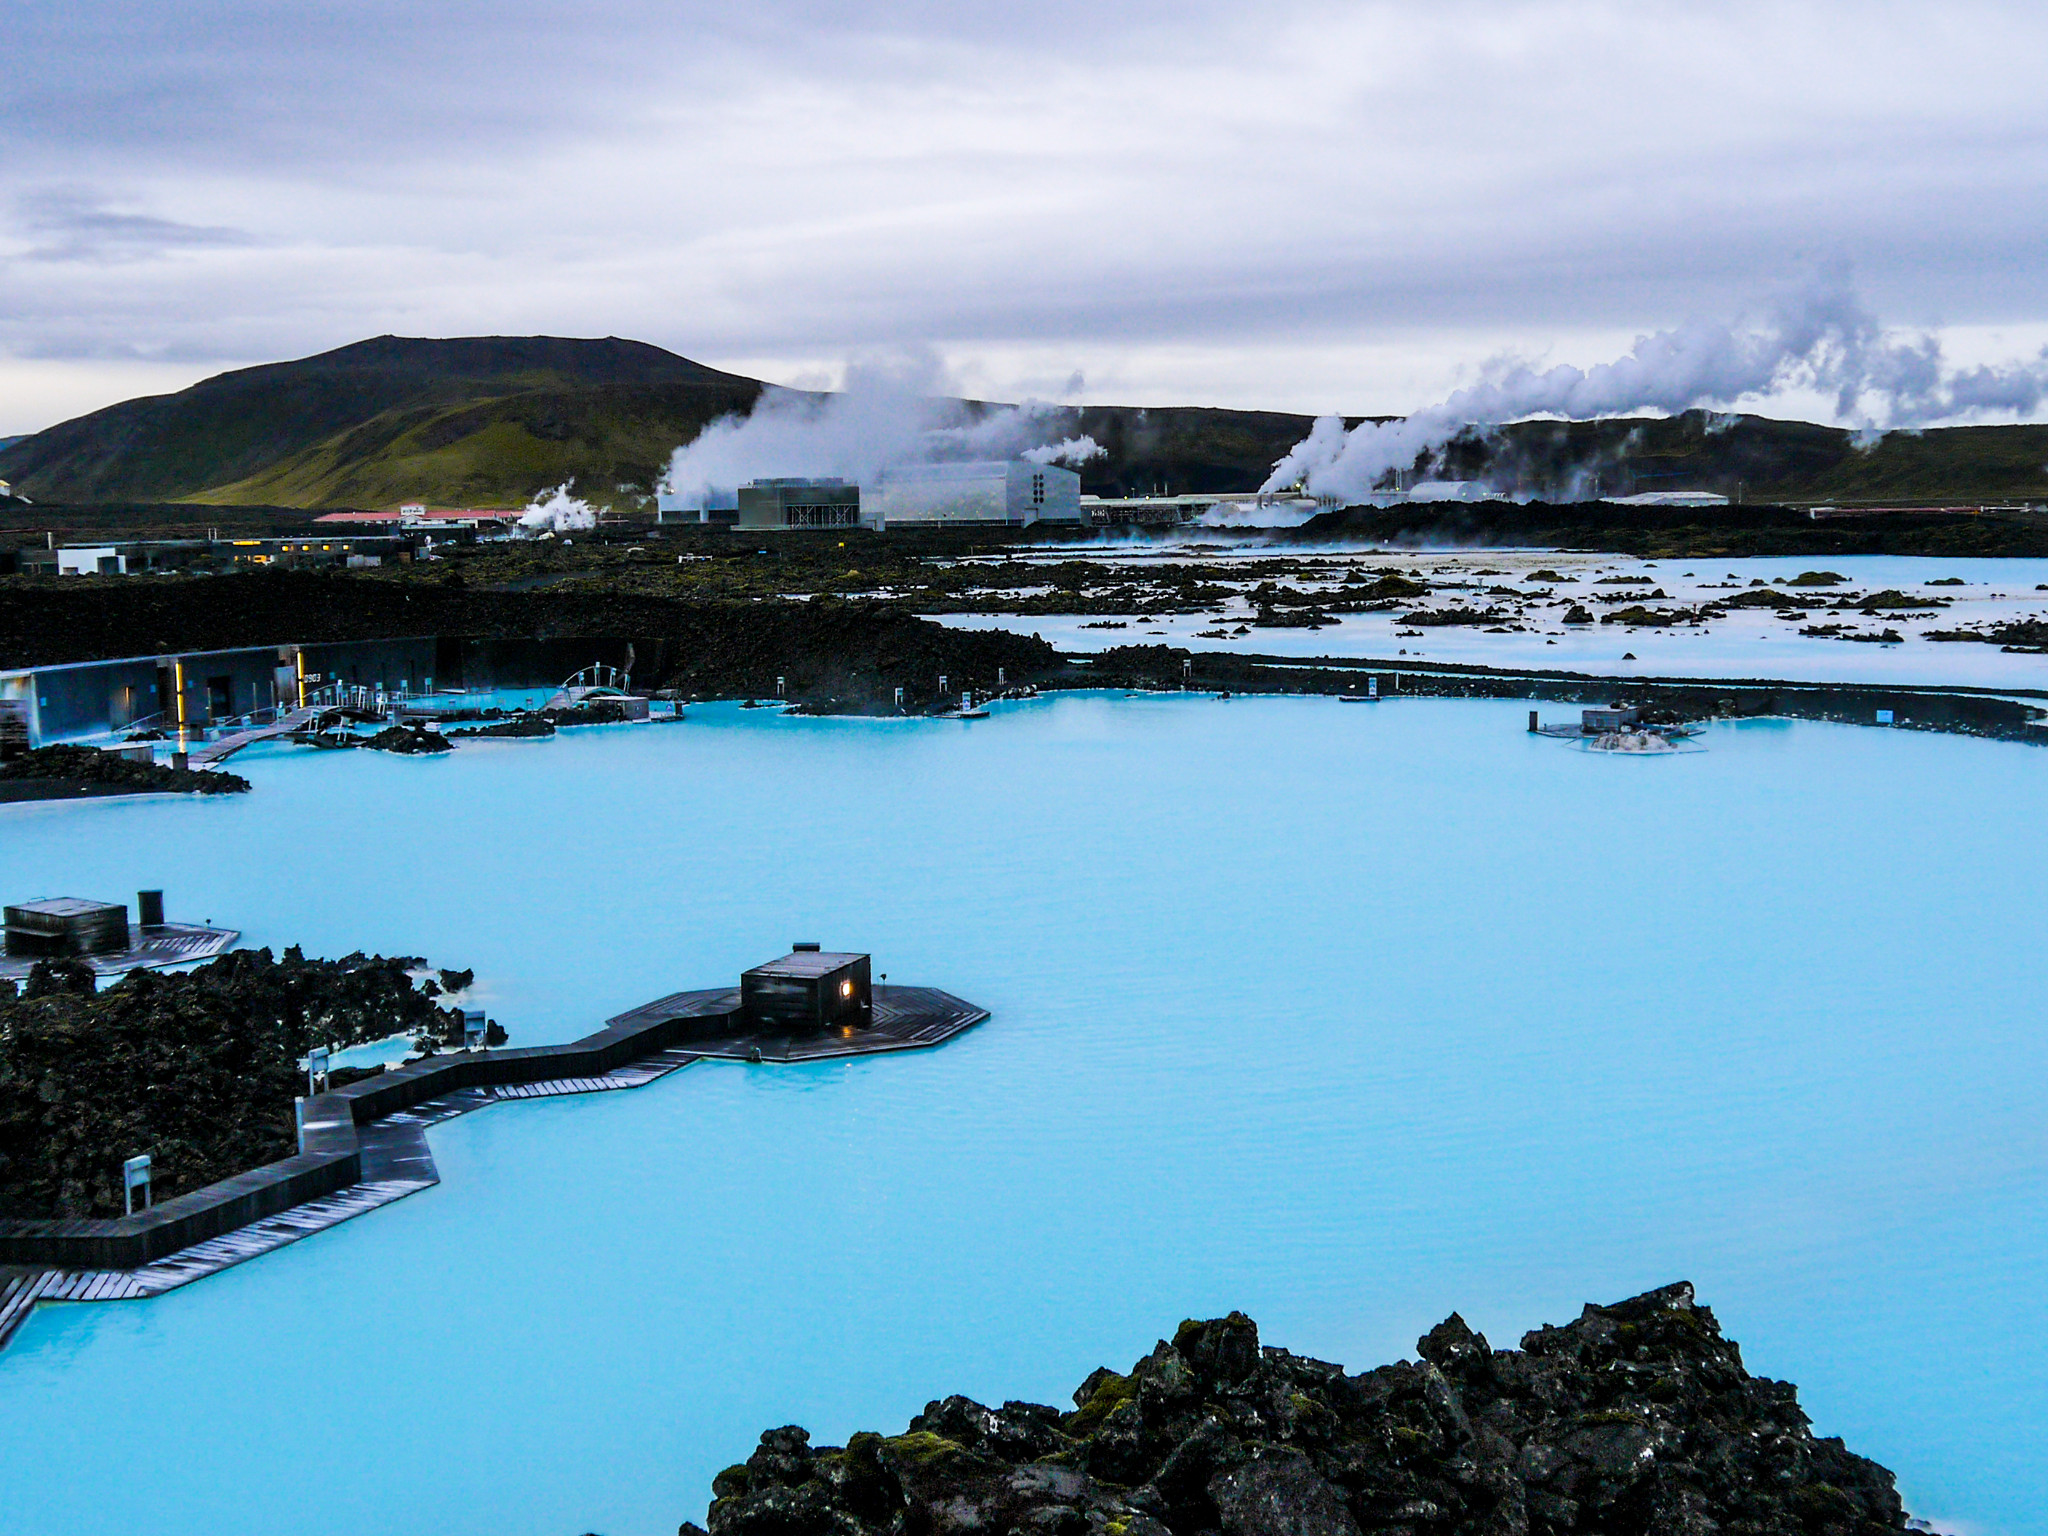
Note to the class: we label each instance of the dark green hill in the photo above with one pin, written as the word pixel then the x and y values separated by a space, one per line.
pixel 1182 448
pixel 1757 458
pixel 1746 458
pixel 493 420
pixel 488 419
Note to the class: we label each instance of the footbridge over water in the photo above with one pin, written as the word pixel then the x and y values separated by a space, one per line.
pixel 309 718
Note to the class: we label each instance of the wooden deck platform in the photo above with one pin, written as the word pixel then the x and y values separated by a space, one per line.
pixel 906 1019
pixel 167 944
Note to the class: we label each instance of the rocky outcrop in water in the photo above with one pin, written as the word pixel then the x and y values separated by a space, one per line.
pixel 600 712
pixel 520 725
pixel 1636 1418
pixel 412 740
pixel 76 770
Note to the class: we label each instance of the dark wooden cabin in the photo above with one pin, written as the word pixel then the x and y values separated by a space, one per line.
pixel 808 988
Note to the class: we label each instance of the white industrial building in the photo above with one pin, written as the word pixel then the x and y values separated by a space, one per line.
pixel 1010 493
pixel 991 492
pixel 91 560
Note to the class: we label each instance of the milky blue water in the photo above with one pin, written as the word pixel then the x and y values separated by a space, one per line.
pixel 1344 1015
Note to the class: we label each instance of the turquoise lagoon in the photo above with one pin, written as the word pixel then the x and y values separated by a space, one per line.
pixel 1342 1015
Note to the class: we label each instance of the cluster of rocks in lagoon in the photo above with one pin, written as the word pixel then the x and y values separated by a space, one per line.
pixel 60 772
pixel 1637 1418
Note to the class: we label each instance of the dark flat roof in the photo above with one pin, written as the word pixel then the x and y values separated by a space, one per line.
pixel 65 906
pixel 805 963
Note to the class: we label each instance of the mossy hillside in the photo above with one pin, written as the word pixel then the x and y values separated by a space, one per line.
pixel 311 424
pixel 500 452
pixel 1757 458
pixel 490 421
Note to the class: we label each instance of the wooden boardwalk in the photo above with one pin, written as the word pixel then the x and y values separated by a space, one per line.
pixel 209 753
pixel 21 1289
pixel 906 1019
pixel 396 1160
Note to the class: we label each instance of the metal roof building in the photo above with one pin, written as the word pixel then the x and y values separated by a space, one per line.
pixel 798 503
pixel 1001 493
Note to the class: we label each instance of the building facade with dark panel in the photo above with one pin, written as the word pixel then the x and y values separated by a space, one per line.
pixel 766 504
pixel 808 989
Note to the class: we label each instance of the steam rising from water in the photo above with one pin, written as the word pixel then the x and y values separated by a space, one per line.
pixel 892 412
pixel 1817 336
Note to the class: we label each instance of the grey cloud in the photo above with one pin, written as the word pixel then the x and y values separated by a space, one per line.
pixel 1095 185
pixel 361 83
pixel 78 226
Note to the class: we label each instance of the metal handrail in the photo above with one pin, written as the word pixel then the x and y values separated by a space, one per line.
pixel 600 675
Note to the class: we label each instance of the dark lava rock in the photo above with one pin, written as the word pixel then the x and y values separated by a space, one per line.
pixel 1448 617
pixel 199 1068
pixel 1765 597
pixel 408 740
pixel 1293 618
pixel 517 726
pixel 1893 600
pixel 602 712
pixel 1636 616
pixel 88 766
pixel 1636 1420
pixel 2025 634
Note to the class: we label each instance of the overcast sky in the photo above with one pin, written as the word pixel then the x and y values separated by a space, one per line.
pixel 1293 205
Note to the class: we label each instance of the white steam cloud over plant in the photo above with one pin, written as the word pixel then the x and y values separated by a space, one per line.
pixel 894 412
pixel 1072 451
pixel 556 512
pixel 1819 336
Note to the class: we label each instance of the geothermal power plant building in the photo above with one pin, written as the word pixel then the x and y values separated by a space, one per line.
pixel 1010 494
pixel 799 504
pixel 990 493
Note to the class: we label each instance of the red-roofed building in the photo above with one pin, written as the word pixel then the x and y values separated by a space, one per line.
pixel 414 515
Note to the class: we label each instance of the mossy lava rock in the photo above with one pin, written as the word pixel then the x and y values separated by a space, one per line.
pixel 1637 1418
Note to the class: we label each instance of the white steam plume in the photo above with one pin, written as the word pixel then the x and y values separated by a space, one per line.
pixel 893 412
pixel 1819 336
pixel 556 512
pixel 1073 452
